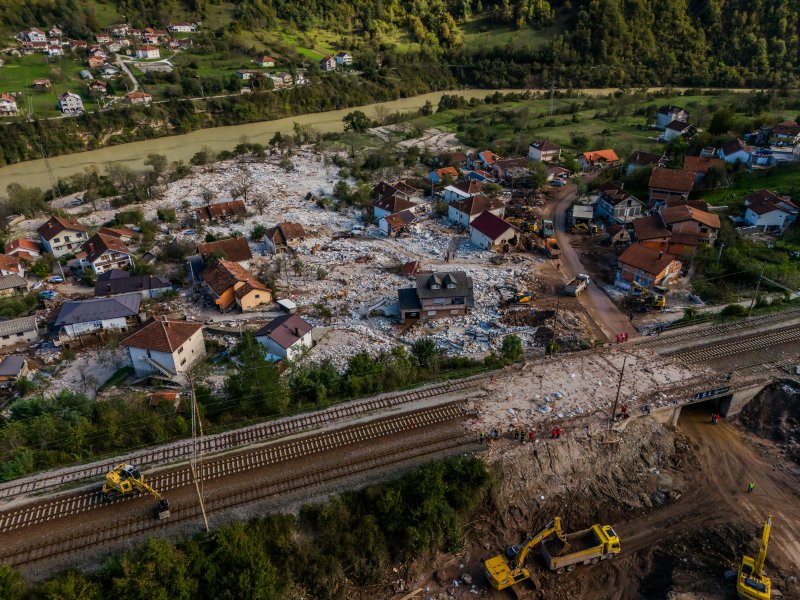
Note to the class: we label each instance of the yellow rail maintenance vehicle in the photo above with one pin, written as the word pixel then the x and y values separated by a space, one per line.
pixel 125 480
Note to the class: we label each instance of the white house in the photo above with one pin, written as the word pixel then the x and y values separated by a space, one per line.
pixel 544 151
pixel 464 212
pixel 8 106
pixel 79 317
pixel 148 51
pixel 266 62
pixel 668 114
pixel 70 104
pixel 34 35
pixel 328 63
pixel 105 252
pixel 344 58
pixel 55 32
pixel 676 129
pixel 11 265
pixel 736 151
pixel 769 211
pixel 61 236
pixel 391 225
pixel 490 230
pixel 165 349
pixel 54 50
pixel 18 331
pixel 183 27
pixel 286 337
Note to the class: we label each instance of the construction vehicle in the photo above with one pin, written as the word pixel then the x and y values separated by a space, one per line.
pixel 551 247
pixel 584 228
pixel 752 584
pixel 576 285
pixel 516 296
pixel 505 570
pixel 649 299
pixel 548 230
pixel 586 547
pixel 125 479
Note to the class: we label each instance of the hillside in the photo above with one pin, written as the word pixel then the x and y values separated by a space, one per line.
pixel 571 42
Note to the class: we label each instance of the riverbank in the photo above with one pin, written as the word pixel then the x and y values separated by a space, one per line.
pixel 184 146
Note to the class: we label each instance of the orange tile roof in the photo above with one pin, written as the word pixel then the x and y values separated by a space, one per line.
pixel 684 212
pixel 595 155
pixel 161 335
pixel 672 179
pixel 647 259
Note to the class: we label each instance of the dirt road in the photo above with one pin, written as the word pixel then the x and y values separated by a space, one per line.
pixel 607 315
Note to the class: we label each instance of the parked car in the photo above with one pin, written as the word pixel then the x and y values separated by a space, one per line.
pixel 56 279
pixel 38 284
pixel 48 295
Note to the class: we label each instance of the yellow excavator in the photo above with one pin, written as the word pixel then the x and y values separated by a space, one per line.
pixel 752 584
pixel 125 479
pixel 505 571
pixel 650 298
pixel 510 295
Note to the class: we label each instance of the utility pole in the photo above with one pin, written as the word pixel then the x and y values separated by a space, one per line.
pixel 616 398
pixel 555 322
pixel 193 461
pixel 719 254
pixel 755 295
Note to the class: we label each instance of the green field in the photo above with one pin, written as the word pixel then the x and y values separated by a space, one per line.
pixel 483 33
pixel 63 72
pixel 781 180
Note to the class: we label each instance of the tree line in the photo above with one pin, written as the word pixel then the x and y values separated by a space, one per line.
pixel 353 539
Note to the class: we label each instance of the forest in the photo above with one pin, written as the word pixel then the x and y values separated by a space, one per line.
pixel 353 539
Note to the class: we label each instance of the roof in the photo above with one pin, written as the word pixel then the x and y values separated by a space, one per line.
pixel 265 58
pixel 13 281
pixel 392 203
pixel 684 212
pixel 488 157
pixel 221 209
pixel 452 284
pixel 22 244
pixel 236 249
pixel 647 259
pixel 447 171
pixel 475 205
pixel 12 365
pixel 650 228
pixel 762 202
pixel 669 108
pixel 285 330
pixel 596 155
pixel 10 263
pixel 457 157
pixel 147 48
pixel 408 299
pixel 675 180
pixel 160 335
pixel 137 95
pixel 116 281
pixel 98 309
pixel 613 194
pixel 701 164
pixel 641 158
pixel 99 244
pixel 410 268
pixel 685 238
pixel 758 195
pixel 735 146
pixel 545 146
pixel 699 204
pixel 787 128
pixel 117 232
pixel 399 220
pixel 469 186
pixel 678 125
pixel 55 225
pixel 224 274
pixel 283 233
pixel 14 326
pixel 490 225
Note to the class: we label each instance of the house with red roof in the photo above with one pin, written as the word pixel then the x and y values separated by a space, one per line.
pixel 61 236
pixel 488 230
pixel 286 337
pixel 670 184
pixel 597 159
pixel 24 249
pixel 769 211
pixel 647 266
pixel 165 349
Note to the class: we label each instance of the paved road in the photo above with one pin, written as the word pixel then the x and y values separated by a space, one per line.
pixel 607 315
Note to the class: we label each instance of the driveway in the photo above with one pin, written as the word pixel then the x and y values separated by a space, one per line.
pixel 607 315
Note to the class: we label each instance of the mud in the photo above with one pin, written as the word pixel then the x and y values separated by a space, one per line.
pixel 775 415
pixel 676 498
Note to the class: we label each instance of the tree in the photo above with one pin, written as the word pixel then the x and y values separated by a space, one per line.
pixel 511 348
pixel 12 586
pixel 258 232
pixel 425 352
pixel 25 201
pixel 715 176
pixel 241 184
pixel 492 190
pixel 538 173
pixel 157 162
pixel 259 200
pixel 159 571
pixel 722 121
pixel 356 121
pixel 255 387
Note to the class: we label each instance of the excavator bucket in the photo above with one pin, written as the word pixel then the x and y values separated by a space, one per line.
pixel 163 510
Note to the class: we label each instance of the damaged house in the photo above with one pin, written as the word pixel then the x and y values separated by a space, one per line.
pixel 436 295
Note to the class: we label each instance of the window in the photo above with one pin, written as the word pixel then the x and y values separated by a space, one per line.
pixel 180 350
pixel 431 313
pixel 183 362
pixel 55 240
pixel 66 238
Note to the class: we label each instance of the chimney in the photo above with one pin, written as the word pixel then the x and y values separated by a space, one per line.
pixel 108 289
pixel 91 247
pixel 660 254
pixel 296 332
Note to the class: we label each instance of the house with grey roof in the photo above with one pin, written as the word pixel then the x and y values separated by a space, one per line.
pixel 83 317
pixel 18 331
pixel 12 367
pixel 446 294
pixel 117 281
pixel 12 284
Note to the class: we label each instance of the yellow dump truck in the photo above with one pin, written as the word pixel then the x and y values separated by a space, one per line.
pixel 586 547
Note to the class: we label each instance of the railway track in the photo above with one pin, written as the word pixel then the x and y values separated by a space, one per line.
pixel 669 339
pixel 72 504
pixel 225 501
pixel 231 440
pixel 736 346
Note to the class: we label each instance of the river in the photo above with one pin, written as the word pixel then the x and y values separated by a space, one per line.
pixel 183 147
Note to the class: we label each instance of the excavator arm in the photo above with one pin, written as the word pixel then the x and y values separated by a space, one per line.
pixel 553 527
pixel 758 566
